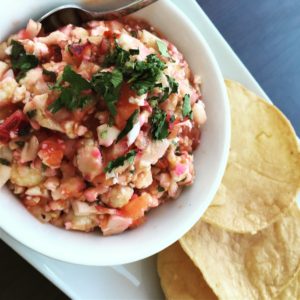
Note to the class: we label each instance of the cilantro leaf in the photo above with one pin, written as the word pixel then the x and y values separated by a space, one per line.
pixel 120 161
pixel 117 57
pixel 142 75
pixel 186 107
pixel 76 80
pixel 163 48
pixel 129 125
pixel 159 124
pixel 145 74
pixel 70 100
pixel 173 84
pixel 21 61
pixel 70 97
pixel 108 85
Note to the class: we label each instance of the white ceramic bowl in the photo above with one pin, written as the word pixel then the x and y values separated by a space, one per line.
pixel 169 222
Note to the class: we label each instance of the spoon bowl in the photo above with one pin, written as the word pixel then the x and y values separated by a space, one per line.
pixel 76 15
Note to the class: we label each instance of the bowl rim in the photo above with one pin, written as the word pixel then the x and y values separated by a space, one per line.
pixel 194 217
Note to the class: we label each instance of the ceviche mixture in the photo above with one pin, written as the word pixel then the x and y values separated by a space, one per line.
pixel 97 123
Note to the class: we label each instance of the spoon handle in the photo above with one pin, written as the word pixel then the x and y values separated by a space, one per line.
pixel 122 11
pixel 76 15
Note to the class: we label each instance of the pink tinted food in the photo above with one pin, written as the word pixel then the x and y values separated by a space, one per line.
pixel 98 123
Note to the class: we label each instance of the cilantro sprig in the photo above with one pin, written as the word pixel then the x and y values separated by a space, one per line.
pixel 186 107
pixel 119 57
pixel 71 96
pixel 141 75
pixel 159 124
pixel 21 61
pixel 118 162
pixel 108 85
pixel 144 75
pixel 129 125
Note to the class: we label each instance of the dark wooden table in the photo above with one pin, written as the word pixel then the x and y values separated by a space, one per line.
pixel 266 36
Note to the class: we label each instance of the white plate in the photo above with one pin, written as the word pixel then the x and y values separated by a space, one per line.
pixel 138 280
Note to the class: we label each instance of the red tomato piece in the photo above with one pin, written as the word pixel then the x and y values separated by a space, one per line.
pixel 124 108
pixel 11 124
pixel 135 208
pixel 51 152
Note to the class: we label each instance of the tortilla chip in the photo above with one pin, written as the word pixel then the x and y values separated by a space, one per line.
pixel 292 291
pixel 245 266
pixel 180 278
pixel 263 172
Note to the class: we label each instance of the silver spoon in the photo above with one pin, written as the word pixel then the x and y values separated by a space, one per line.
pixel 76 15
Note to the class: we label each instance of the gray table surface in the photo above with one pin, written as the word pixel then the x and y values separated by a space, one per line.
pixel 266 36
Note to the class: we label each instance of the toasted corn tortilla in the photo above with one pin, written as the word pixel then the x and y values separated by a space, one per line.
pixel 292 291
pixel 245 266
pixel 180 278
pixel 263 172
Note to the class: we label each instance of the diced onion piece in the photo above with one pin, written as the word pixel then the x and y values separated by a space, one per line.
pixel 5 172
pixel 154 151
pixel 107 134
pixel 116 224
pixel 30 149
pixel 83 209
pixel 199 114
pixel 25 176
pixel 133 133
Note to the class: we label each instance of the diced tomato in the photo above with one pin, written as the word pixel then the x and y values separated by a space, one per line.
pixel 72 187
pixel 55 53
pixel 124 108
pixel 28 202
pixel 162 163
pixel 114 151
pixel 11 124
pixel 135 208
pixel 23 34
pixel 138 222
pixel 104 46
pixel 51 152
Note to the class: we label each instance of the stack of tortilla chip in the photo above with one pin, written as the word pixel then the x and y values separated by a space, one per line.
pixel 247 244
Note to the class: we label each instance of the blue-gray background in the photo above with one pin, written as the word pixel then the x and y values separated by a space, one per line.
pixel 266 36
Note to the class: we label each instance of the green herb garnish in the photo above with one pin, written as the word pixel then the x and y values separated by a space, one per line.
pixel 108 85
pixel 71 96
pixel 129 125
pixel 21 61
pixel 186 107
pixel 163 48
pixel 159 124
pixel 4 162
pixel 143 75
pixel 129 157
